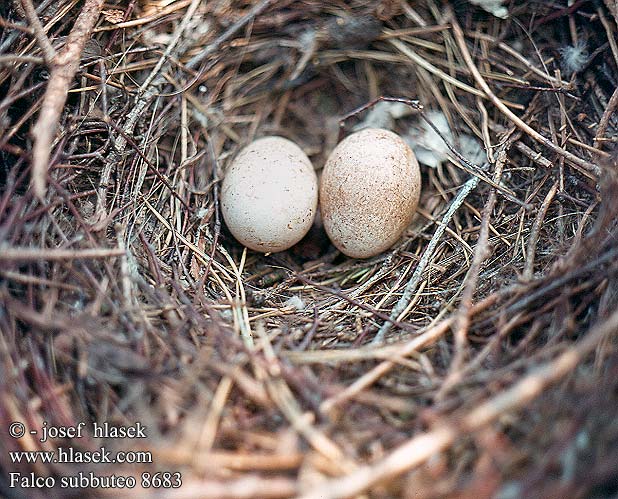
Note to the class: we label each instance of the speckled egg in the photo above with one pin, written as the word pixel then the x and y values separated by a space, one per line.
pixel 269 195
pixel 369 191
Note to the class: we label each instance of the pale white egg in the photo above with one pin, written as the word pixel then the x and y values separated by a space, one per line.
pixel 369 191
pixel 269 195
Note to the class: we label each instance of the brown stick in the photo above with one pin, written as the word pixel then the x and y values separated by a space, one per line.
pixel 35 255
pixel 612 105
pixel 255 11
pixel 535 232
pixel 612 6
pixel 63 69
pixel 425 445
pixel 13 59
pixel 370 377
pixel 462 321
pixel 461 42
pixel 39 33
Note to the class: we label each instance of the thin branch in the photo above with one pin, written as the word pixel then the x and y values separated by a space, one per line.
pixel 427 338
pixel 422 447
pixel 340 294
pixel 481 253
pixel 410 288
pixel 13 59
pixel 35 255
pixel 612 105
pixel 39 32
pixel 188 17
pixel 535 231
pixel 147 92
pixel 461 42
pixel 249 16
pixel 63 69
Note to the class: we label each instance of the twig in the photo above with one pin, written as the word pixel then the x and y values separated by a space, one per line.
pixel 410 288
pixel 611 37
pixel 188 17
pixel 356 303
pixel 150 165
pixel 393 354
pixel 49 53
pixel 13 59
pixel 217 211
pixel 422 447
pixel 63 69
pixel 21 27
pixel 213 460
pixel 560 12
pixel 281 394
pixel 473 169
pixel 558 282
pixel 461 42
pixel 462 322
pixel 367 379
pixel 612 6
pixel 537 157
pixel 524 60
pixel 414 57
pixel 304 344
pixel 607 114
pixel 170 9
pixel 11 35
pixel 206 436
pixel 142 100
pixel 256 10
pixel 534 232
pixel 33 255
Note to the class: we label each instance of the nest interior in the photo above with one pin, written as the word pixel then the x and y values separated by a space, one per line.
pixel 476 358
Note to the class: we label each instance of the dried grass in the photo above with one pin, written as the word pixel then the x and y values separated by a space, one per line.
pixel 476 359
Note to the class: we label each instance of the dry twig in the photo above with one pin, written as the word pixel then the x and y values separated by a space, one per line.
pixel 422 447
pixel 62 71
pixel 49 53
pixel 461 42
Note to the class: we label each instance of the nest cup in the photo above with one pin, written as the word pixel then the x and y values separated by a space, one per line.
pixel 473 357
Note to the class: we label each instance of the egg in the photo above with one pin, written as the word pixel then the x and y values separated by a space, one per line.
pixel 369 191
pixel 269 195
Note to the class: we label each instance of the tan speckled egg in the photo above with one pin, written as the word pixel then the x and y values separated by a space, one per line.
pixel 269 195
pixel 369 190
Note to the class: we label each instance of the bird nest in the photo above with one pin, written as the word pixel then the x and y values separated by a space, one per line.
pixel 476 358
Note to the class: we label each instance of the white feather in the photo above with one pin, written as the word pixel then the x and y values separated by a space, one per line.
pixel 383 115
pixel 494 7
pixel 430 148
pixel 295 302
pixel 574 57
